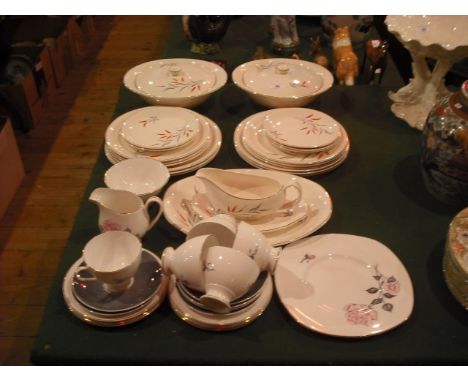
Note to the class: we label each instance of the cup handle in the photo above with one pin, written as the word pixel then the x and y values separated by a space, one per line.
pixel 298 187
pixel 83 268
pixel 154 199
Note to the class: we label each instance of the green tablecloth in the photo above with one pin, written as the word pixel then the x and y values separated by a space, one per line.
pixel 377 192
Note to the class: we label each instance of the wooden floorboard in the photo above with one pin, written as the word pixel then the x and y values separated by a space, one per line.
pixel 59 155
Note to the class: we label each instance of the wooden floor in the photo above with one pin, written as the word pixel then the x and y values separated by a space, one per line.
pixel 58 156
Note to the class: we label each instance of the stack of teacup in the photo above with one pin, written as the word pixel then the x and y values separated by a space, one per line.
pixel 456 258
pixel 223 268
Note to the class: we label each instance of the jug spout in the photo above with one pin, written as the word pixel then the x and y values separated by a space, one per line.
pixel 99 196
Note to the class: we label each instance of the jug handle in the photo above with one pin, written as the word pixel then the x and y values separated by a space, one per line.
pixel 154 199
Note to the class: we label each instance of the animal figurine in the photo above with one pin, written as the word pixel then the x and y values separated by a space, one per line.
pixel 346 61
pixel 374 62
pixel 315 51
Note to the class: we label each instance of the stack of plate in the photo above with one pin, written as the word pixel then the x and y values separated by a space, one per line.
pixel 456 258
pixel 295 140
pixel 181 139
pixel 87 299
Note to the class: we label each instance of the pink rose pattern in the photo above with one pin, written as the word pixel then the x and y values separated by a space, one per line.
pixel 387 288
pixel 109 225
pixel 360 314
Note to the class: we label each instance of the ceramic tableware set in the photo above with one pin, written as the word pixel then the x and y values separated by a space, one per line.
pixel 455 263
pixel 289 138
pixel 221 277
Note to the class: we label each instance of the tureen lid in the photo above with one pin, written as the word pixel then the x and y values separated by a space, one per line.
pixel 176 78
pixel 283 77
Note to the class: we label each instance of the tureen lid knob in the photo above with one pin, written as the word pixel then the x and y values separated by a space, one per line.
pixel 175 69
pixel 282 68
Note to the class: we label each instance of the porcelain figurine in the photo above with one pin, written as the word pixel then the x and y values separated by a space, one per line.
pixel 205 32
pixel 444 38
pixel 359 26
pixel 315 51
pixel 346 62
pixel 444 156
pixel 374 62
pixel 285 37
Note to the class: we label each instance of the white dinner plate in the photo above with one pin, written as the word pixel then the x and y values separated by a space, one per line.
pixel 344 285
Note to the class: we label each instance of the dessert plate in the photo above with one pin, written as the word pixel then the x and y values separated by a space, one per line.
pixel 314 196
pixel 97 318
pixel 215 321
pixel 301 128
pixel 159 127
pixel 344 285
pixel 147 280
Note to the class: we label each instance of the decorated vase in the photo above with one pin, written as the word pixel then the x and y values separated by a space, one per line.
pixel 444 156
pixel 205 32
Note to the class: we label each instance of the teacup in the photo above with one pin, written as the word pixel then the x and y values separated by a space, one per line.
pixel 253 242
pixel 113 257
pixel 187 262
pixel 245 195
pixel 144 177
pixel 223 227
pixel 229 274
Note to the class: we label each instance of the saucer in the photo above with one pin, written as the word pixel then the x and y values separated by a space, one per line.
pixel 147 280
pixel 344 285
pixel 96 318
pixel 315 196
pixel 216 321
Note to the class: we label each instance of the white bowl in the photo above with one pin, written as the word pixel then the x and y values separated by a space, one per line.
pixel 176 81
pixel 282 82
pixel 143 176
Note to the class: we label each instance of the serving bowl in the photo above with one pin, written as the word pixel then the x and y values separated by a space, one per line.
pixel 282 82
pixel 176 81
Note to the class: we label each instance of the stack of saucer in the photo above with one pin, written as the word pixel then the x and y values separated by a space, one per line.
pixel 181 139
pixel 295 140
pixel 88 300
pixel 456 258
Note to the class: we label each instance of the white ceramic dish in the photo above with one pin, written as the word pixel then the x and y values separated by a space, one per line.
pixel 301 128
pixel 282 82
pixel 176 81
pixel 344 285
pixel 96 318
pixel 160 127
pixel 215 321
pixel 142 176
pixel 314 195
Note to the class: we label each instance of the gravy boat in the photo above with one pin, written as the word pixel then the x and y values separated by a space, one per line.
pixel 245 195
